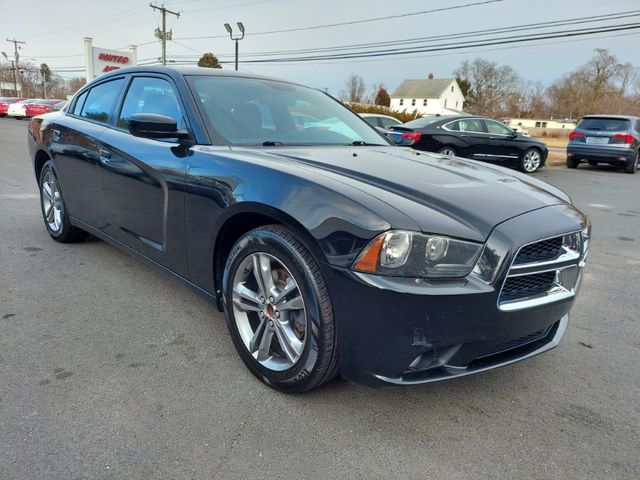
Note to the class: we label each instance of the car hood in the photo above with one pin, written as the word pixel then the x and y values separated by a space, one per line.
pixel 441 194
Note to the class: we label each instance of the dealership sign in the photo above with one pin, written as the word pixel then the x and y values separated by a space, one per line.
pixel 100 60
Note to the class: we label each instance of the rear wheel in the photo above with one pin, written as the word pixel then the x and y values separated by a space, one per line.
pixel 631 167
pixel 54 211
pixel 531 160
pixel 448 151
pixel 278 311
pixel 572 162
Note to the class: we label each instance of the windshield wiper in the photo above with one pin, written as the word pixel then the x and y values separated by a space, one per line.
pixel 271 143
pixel 362 143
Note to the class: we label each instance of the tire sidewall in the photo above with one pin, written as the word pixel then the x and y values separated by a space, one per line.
pixel 267 241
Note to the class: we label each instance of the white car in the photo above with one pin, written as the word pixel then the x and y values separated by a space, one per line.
pixel 16 110
pixel 379 120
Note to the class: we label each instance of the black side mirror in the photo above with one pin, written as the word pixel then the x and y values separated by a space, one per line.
pixel 514 133
pixel 153 125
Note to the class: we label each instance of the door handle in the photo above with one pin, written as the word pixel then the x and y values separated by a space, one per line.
pixel 105 156
pixel 56 135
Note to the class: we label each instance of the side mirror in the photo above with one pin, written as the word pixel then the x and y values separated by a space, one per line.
pixel 153 125
pixel 514 132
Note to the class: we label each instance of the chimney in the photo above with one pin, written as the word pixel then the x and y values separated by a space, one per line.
pixel 430 76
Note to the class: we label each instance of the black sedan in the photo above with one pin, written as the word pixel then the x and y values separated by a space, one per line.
pixel 472 137
pixel 329 250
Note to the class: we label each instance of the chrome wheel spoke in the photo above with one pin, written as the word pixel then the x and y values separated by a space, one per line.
pixel 289 287
pixel 294 303
pixel 245 299
pixel 50 214
pixel 47 191
pixel 256 340
pixel 262 273
pixel 290 344
pixel 264 346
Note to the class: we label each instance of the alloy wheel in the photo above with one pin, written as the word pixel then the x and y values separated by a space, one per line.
pixel 52 205
pixel 269 311
pixel 531 161
pixel 448 152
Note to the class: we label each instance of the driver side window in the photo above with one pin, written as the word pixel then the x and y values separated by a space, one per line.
pixel 497 128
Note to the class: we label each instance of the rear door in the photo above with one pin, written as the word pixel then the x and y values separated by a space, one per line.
pixel 75 148
pixel 471 136
pixel 142 180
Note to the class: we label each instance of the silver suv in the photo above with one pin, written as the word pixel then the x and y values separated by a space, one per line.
pixel 611 139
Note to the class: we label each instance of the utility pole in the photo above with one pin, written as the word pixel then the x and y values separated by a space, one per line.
pixel 15 67
pixel 163 34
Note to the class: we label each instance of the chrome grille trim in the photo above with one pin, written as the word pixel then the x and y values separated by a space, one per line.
pixel 568 273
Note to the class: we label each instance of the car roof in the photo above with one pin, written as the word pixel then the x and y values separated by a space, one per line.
pixel 626 117
pixel 376 115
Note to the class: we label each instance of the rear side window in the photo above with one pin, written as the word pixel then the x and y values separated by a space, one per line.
pixel 387 122
pixel 77 108
pixel 101 100
pixel 150 95
pixel 373 121
pixel 604 124
pixel 466 125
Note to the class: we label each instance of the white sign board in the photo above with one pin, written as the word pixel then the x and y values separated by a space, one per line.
pixel 101 60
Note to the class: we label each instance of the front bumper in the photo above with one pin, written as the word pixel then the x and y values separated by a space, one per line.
pixel 605 154
pixel 407 331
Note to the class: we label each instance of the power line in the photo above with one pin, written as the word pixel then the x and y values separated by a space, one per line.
pixel 354 22
pixel 470 44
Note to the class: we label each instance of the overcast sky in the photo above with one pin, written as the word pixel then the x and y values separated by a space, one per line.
pixel 53 32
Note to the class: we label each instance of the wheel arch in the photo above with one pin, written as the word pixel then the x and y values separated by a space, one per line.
pixel 40 158
pixel 245 217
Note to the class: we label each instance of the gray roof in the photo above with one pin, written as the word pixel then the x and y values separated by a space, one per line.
pixel 422 88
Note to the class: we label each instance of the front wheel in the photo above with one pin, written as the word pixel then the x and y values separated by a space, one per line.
pixel 278 310
pixel 531 160
pixel 54 211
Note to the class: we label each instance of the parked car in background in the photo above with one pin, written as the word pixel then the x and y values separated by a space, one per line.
pixel 610 139
pixel 520 130
pixel 329 250
pixel 477 138
pixel 38 108
pixel 17 110
pixel 59 106
pixel 378 120
pixel 5 102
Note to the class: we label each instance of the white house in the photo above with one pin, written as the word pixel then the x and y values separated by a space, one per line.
pixel 429 96
pixel 540 123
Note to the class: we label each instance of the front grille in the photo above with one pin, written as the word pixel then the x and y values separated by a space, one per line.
pixel 527 285
pixel 516 342
pixel 543 272
pixel 540 251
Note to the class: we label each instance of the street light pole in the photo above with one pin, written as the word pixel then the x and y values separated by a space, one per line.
pixel 235 38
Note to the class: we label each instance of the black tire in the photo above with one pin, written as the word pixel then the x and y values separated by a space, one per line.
pixel 318 360
pixel 572 162
pixel 448 151
pixel 67 233
pixel 631 167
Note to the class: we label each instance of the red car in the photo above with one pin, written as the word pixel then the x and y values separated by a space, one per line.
pixel 46 106
pixel 4 104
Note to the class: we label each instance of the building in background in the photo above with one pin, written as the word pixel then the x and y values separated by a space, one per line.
pixel 541 123
pixel 429 96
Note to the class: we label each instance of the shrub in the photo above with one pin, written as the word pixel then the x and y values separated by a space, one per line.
pixel 403 116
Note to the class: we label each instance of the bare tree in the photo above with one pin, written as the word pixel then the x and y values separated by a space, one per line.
pixel 355 89
pixel 490 86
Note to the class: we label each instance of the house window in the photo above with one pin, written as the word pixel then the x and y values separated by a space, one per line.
pixel 445 103
pixel 537 124
pixel 424 102
pixel 452 88
pixel 456 104
pixel 413 102
pixel 544 124
pixel 401 101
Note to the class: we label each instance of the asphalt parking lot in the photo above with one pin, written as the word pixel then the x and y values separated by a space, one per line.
pixel 108 369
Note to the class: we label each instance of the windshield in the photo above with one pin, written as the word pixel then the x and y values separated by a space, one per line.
pixel 250 111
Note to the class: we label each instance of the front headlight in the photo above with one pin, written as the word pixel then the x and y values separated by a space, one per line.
pixel 403 253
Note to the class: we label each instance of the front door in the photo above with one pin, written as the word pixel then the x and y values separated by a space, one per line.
pixel 142 180
pixel 502 144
